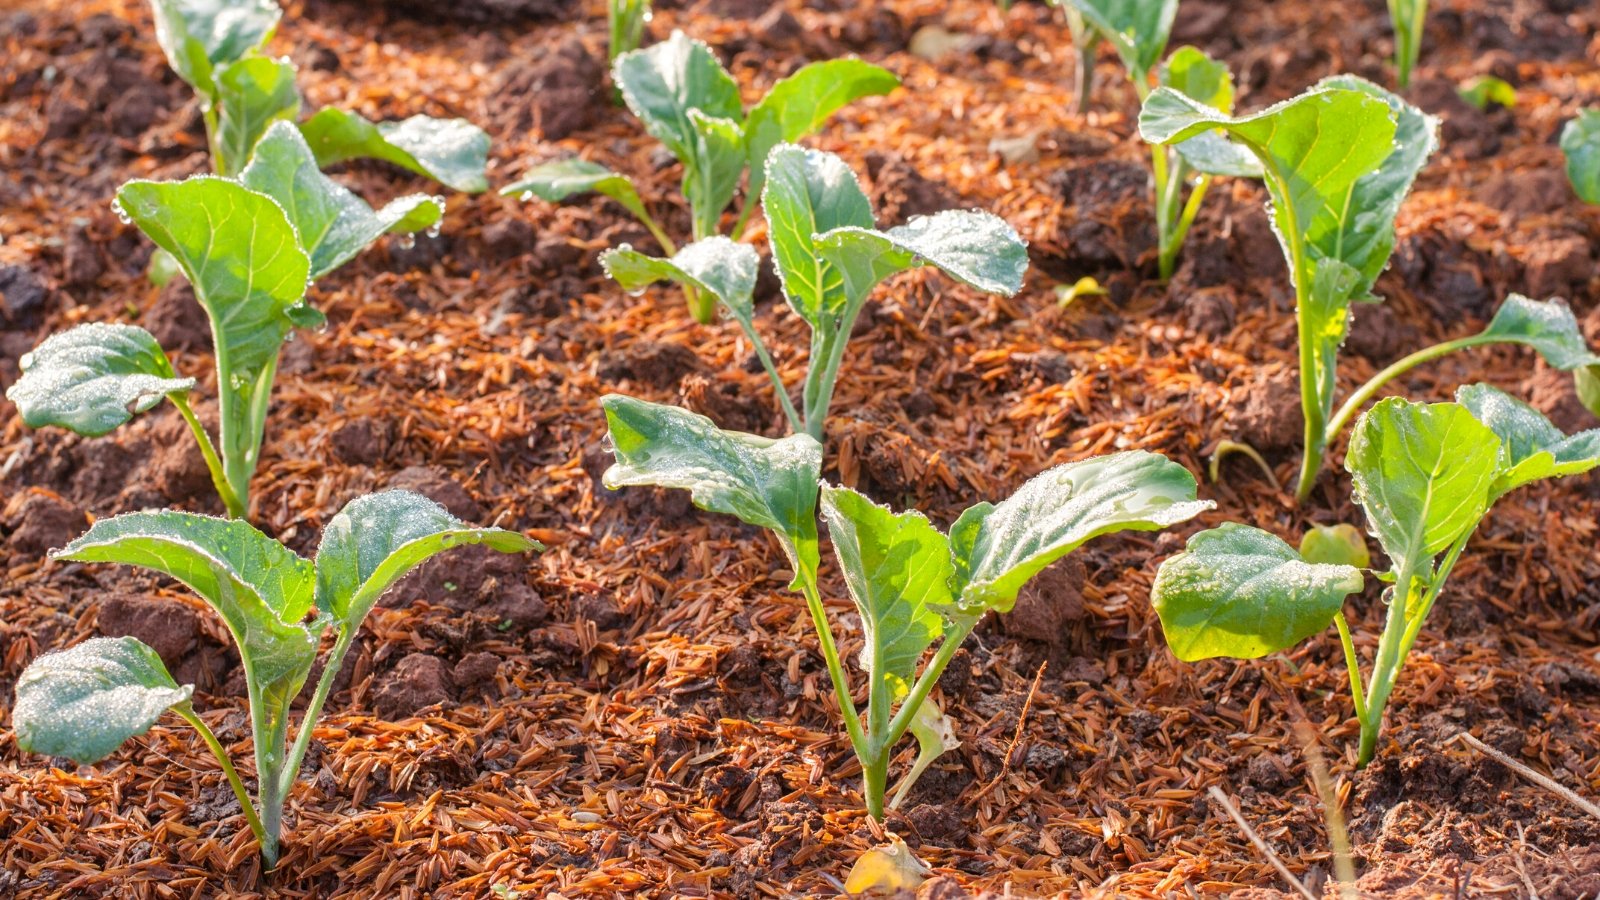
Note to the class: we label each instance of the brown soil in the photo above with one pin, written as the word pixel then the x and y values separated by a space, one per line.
pixel 641 710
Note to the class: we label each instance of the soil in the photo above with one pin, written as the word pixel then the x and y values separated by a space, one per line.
pixel 641 710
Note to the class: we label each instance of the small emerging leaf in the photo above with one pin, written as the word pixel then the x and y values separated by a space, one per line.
pixel 998 548
pixel 84 702
pixel 333 224
pixel 1341 545
pixel 1487 89
pixel 92 378
pixel 724 268
pixel 1197 75
pixel 936 736
pixel 201 36
pixel 452 152
pixel 254 93
pixel 1240 592
pixel 1531 448
pixel 376 539
pixel 556 181
pixel 799 105
pixel 1580 142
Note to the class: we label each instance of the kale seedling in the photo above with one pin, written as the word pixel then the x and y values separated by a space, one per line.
pixel 84 702
pixel 625 19
pixel 830 256
pixel 249 248
pixel 1408 17
pixel 913 585
pixel 1337 162
pixel 689 102
pixel 1426 475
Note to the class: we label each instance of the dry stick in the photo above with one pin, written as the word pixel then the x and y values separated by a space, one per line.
pixel 1528 772
pixel 1339 836
pixel 1016 735
pixel 1261 845
pixel 1522 845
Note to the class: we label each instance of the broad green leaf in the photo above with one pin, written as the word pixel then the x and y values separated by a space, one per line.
pixel 897 568
pixel 1531 448
pixel 998 548
pixel 662 83
pixel 719 266
pixel 768 483
pixel 375 540
pixel 556 181
pixel 1580 142
pixel 201 36
pixel 1240 592
pixel 92 378
pixel 1548 326
pixel 1138 29
pixel 807 193
pixel 1190 71
pixel 1359 231
pixel 333 223
pixel 1340 544
pixel 253 93
pixel 452 152
pixel 85 701
pixel 978 249
pixel 1423 473
pixel 260 588
pixel 799 105
pixel 241 254
pixel 712 171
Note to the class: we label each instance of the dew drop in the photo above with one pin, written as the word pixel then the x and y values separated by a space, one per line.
pixel 526 196
pixel 408 241
pixel 122 214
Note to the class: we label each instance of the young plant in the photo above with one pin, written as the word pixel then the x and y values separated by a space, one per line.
pixel 249 248
pixel 1337 162
pixel 829 256
pixel 690 103
pixel 84 702
pixel 1426 475
pixel 913 585
pixel 1580 144
pixel 1408 18
pixel 626 20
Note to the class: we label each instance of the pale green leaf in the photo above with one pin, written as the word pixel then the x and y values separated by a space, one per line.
pixel 1138 29
pixel 1531 448
pixel 768 483
pixel 556 181
pixel 799 105
pixel 809 192
pixel 92 378
pixel 452 152
pixel 254 93
pixel 1580 142
pixel 719 266
pixel 978 249
pixel 1197 75
pixel 84 702
pixel 1487 89
pixel 332 222
pixel 1548 326
pixel 1340 544
pixel 1423 473
pixel 1240 592
pixel 663 82
pixel 201 36
pixel 998 548
pixel 375 540
pixel 714 168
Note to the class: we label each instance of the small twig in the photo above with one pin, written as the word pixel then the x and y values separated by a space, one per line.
pixel 1522 847
pixel 1338 835
pixel 1016 735
pixel 1261 845
pixel 1528 772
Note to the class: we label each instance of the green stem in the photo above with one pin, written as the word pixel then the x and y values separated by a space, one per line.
pixel 818 400
pixel 1352 662
pixel 796 424
pixel 930 676
pixel 234 781
pixel 308 722
pixel 650 224
pixel 1374 384
pixel 875 783
pixel 744 219
pixel 219 478
pixel 830 655
pixel 703 306
pixel 1174 242
pixel 1386 665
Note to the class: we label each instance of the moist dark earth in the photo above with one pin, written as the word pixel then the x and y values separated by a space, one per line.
pixel 641 711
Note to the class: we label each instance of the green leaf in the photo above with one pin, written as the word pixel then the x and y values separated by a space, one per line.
pixel 979 249
pixel 719 266
pixel 84 702
pixel 1240 592
pixel 1548 326
pixel 662 83
pixel 998 548
pixel 1531 448
pixel 1195 74
pixel 452 152
pixel 556 181
pixel 201 36
pixel 375 540
pixel 92 378
pixel 801 104
pixel 253 93
pixel 712 171
pixel 1138 29
pixel 1339 544
pixel 1487 89
pixel 260 588
pixel 332 222
pixel 1423 473
pixel 1327 323
pixel 241 254
pixel 1580 143
pixel 898 569
pixel 936 736
pixel 809 192
pixel 768 483
pixel 1586 381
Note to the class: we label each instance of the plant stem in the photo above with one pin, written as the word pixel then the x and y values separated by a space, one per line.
pixel 234 781
pixel 219 479
pixel 1386 665
pixel 930 676
pixel 1352 662
pixel 1174 241
pixel 1399 367
pixel 875 782
pixel 830 655
pixel 796 424
pixel 702 306
pixel 308 722
pixel 650 224
pixel 744 219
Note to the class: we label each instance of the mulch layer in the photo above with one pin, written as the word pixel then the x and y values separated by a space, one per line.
pixel 641 711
